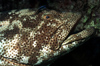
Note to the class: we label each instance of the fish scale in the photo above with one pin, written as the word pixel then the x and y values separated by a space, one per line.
pixel 28 39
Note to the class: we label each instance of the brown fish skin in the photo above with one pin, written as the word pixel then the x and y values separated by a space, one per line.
pixel 28 39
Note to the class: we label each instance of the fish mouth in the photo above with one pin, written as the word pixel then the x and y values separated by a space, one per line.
pixel 80 37
pixel 73 21
pixel 64 30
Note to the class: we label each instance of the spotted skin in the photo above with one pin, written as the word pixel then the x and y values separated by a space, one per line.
pixel 29 39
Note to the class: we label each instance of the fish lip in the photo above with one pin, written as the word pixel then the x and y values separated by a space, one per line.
pixel 75 25
pixel 73 28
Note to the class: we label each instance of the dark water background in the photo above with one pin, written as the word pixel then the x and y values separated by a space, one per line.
pixel 86 55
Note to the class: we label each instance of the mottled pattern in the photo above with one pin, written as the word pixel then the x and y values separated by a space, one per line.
pixel 27 38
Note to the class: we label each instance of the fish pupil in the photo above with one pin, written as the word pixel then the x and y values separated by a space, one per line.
pixel 47 17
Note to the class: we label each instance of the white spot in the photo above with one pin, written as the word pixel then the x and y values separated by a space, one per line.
pixel 9 13
pixel 1 62
pixel 1 35
pixel 46 37
pixel 1 48
pixel 11 52
pixel 24 19
pixel 65 47
pixel 63 33
pixel 17 23
pixel 13 11
pixel 50 20
pixel 40 25
pixel 53 24
pixel 74 43
pixel 45 51
pixel 4 25
pixel 39 60
pixel 8 46
pixel 35 43
pixel 33 17
pixel 65 21
pixel 24 59
pixel 38 32
pixel 44 54
pixel 32 34
pixel 24 12
pixel 56 53
pixel 19 15
pixel 48 24
pixel 42 31
pixel 10 17
pixel 14 41
pixel 58 20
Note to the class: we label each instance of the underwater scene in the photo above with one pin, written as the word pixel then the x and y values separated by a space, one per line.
pixel 49 32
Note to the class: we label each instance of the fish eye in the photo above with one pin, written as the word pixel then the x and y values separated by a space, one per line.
pixel 47 17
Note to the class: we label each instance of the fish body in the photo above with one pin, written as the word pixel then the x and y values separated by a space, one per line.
pixel 28 39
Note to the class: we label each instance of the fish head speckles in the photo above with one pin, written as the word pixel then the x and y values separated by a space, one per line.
pixel 17 32
pixel 29 38
pixel 58 26
pixel 54 34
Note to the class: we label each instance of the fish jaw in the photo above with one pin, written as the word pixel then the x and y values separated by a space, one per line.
pixel 30 39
